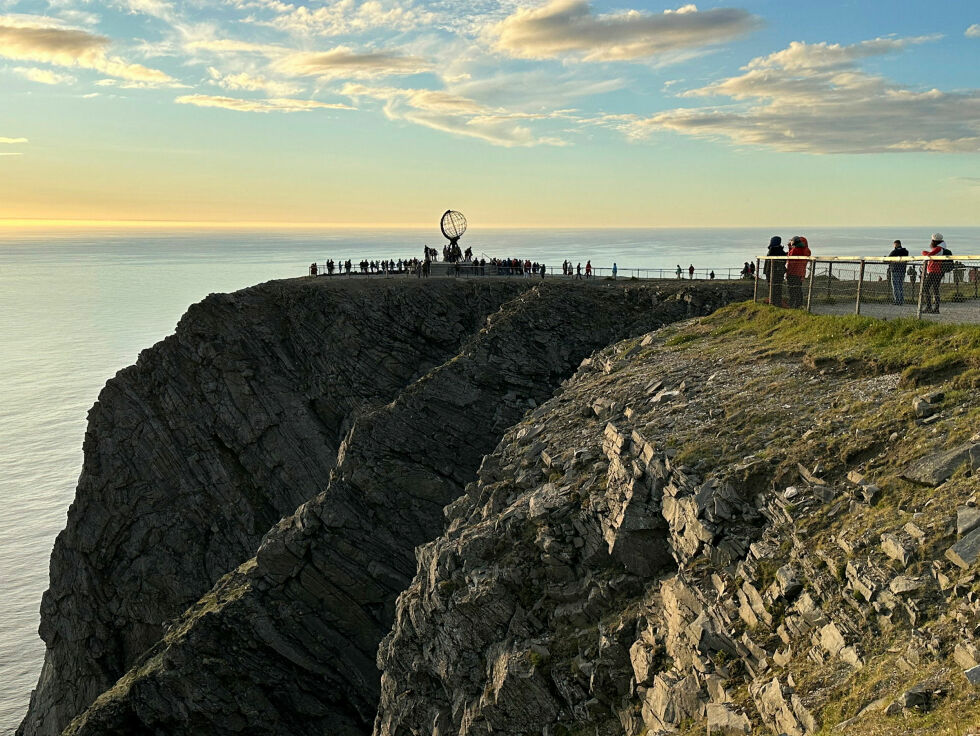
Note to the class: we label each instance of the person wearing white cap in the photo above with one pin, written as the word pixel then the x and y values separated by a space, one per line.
pixel 934 274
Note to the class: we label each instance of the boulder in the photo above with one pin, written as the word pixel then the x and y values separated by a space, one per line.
pixel 967 519
pixel 967 655
pixel 966 551
pixel 904 584
pixel 937 468
pixel 788 582
pixel 894 548
pixel 922 408
pixel 831 639
pixel 724 722
pixel 973 675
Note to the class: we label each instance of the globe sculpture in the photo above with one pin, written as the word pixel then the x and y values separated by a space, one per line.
pixel 453 225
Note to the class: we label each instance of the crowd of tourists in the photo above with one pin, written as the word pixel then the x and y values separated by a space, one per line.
pixel 365 267
pixel 792 271
pixel 458 262
pixel 679 272
pixel 568 270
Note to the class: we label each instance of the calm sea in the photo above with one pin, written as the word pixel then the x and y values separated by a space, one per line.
pixel 76 307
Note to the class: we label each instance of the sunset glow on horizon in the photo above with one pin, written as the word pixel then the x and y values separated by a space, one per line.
pixel 572 113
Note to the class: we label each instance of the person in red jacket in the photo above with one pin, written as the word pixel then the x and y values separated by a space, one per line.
pixel 796 270
pixel 934 275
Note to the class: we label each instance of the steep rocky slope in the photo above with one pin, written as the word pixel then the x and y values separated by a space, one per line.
pixel 213 436
pixel 286 642
pixel 762 522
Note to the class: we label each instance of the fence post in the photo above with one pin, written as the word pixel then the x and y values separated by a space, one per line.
pixel 809 288
pixel 857 304
pixel 922 286
pixel 772 282
pixel 755 288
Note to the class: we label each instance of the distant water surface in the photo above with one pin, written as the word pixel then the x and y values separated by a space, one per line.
pixel 75 307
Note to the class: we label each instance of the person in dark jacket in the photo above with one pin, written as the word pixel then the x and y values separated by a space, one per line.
pixel 774 270
pixel 796 270
pixel 896 272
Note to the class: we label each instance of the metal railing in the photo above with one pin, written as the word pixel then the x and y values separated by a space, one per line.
pixel 877 287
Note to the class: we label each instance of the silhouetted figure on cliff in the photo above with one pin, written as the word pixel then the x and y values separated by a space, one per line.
pixel 775 270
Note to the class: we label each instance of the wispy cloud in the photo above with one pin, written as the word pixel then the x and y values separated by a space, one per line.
pixel 266 105
pixel 813 98
pixel 69 47
pixel 973 31
pixel 535 89
pixel 450 113
pixel 341 17
pixel 44 76
pixel 230 45
pixel 569 27
pixel 155 8
pixel 344 62
pixel 12 142
pixel 803 57
pixel 249 82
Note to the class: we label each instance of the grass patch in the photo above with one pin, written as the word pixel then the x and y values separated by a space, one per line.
pixel 926 351
pixel 682 339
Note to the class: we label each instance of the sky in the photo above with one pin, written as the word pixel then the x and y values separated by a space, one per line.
pixel 541 113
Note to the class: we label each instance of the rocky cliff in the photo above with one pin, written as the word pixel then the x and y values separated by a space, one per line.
pixel 367 406
pixel 194 453
pixel 753 522
pixel 704 529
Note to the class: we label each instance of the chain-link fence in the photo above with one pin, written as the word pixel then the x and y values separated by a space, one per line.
pixel 943 287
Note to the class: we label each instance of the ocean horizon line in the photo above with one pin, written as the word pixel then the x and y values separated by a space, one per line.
pixel 80 224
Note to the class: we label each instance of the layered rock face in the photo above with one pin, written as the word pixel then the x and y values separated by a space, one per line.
pixel 209 440
pixel 691 536
pixel 558 574
pixel 286 642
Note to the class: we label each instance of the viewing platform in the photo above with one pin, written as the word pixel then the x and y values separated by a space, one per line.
pixel 884 288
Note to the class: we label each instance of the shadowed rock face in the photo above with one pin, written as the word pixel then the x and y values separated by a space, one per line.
pixel 286 643
pixel 213 436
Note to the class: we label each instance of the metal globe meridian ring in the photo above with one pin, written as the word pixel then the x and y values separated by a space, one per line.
pixel 453 225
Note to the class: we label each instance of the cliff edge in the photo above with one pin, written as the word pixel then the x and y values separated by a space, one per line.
pixel 217 432
pixel 369 408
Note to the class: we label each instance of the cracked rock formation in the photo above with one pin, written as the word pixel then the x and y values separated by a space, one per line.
pixel 682 539
pixel 367 406
pixel 215 434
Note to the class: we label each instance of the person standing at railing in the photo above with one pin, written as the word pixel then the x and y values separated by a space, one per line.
pixel 774 270
pixel 614 270
pixel 896 272
pixel 796 270
pixel 690 272
pixel 934 274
